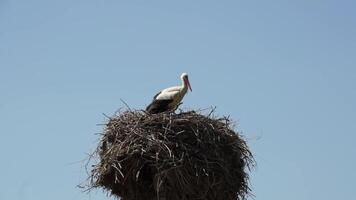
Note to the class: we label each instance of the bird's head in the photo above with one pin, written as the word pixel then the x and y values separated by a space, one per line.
pixel 185 79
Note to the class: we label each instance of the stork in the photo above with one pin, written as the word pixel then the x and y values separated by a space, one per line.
pixel 169 99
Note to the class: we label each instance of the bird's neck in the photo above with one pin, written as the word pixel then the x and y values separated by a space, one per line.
pixel 184 85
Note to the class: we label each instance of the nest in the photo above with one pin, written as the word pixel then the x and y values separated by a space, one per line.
pixel 167 156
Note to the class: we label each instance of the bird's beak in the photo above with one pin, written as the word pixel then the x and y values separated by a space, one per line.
pixel 190 88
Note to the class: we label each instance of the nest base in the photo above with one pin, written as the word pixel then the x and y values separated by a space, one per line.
pixel 181 156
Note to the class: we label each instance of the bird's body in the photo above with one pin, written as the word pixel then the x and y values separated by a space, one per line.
pixel 169 99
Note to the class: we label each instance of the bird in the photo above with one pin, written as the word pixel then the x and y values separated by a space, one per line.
pixel 170 98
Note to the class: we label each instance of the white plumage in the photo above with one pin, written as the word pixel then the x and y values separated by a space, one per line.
pixel 169 99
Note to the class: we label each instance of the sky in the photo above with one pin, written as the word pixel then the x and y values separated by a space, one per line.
pixel 285 71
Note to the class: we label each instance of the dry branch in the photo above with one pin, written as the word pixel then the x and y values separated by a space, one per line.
pixel 185 156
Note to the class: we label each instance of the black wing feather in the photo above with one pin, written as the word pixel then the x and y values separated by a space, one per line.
pixel 158 106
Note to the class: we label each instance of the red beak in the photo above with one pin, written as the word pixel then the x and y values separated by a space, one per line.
pixel 187 81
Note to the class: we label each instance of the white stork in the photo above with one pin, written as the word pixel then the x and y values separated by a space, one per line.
pixel 169 99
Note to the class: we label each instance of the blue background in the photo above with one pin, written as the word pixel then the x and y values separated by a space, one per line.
pixel 284 70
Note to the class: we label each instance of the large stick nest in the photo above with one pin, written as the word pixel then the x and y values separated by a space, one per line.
pixel 185 156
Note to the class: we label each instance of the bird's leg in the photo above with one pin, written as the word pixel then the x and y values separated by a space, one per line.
pixel 180 103
pixel 176 107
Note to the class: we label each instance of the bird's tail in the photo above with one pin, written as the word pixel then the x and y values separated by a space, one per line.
pixel 158 106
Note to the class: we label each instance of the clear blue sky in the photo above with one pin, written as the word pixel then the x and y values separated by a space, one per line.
pixel 285 71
